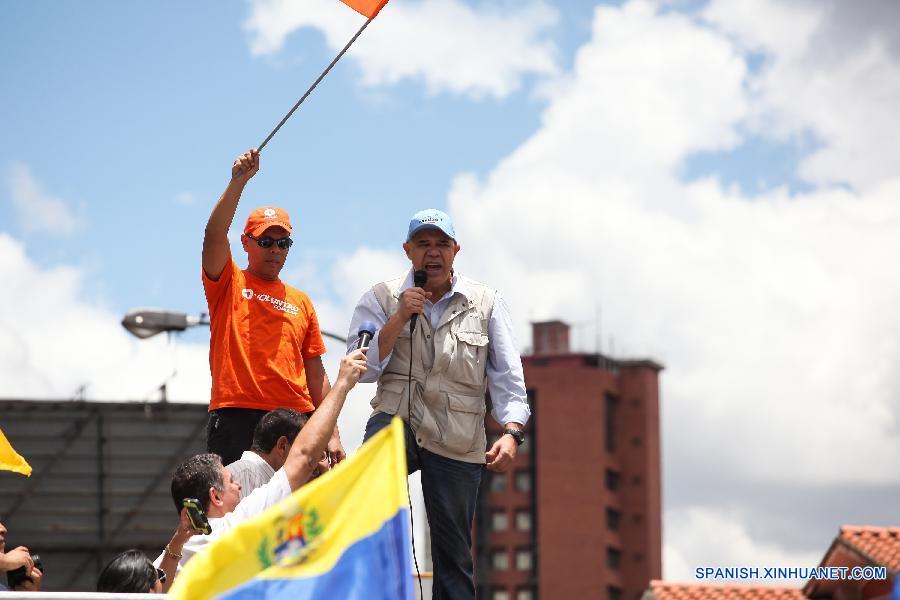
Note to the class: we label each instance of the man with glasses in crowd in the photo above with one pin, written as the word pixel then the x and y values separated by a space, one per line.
pixel 265 348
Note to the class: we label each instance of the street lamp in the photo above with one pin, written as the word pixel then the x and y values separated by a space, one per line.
pixel 147 322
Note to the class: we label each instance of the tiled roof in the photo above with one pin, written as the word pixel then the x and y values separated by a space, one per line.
pixel 662 590
pixel 880 544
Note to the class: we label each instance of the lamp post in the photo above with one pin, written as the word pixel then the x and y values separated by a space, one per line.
pixel 147 322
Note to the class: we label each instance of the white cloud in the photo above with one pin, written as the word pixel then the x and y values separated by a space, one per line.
pixel 830 70
pixel 758 306
pixel 714 538
pixel 446 44
pixel 775 315
pixel 36 209
pixel 55 342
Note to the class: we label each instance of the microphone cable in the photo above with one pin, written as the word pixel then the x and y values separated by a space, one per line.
pixel 420 277
pixel 408 495
pixel 366 333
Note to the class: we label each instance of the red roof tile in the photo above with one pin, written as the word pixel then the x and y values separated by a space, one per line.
pixel 662 590
pixel 880 544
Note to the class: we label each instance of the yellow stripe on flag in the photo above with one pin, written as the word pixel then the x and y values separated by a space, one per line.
pixel 368 8
pixel 10 460
pixel 302 538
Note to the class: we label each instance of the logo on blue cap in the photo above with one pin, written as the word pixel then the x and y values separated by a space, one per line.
pixel 431 219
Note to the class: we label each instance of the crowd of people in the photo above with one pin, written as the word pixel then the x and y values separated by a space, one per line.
pixel 443 341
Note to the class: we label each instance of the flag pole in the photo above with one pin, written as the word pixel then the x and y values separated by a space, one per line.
pixel 312 87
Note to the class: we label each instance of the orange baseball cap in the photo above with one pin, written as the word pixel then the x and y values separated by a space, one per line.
pixel 264 217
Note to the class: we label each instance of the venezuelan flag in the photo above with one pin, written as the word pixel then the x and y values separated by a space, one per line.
pixel 10 460
pixel 345 535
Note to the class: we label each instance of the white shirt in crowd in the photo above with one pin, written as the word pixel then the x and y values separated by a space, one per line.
pixel 251 471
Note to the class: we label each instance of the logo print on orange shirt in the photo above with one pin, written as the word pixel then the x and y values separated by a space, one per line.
pixel 278 303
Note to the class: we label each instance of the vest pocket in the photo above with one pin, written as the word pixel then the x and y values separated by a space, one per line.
pixel 468 366
pixel 389 396
pixel 465 423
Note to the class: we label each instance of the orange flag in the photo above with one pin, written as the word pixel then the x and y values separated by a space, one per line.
pixel 368 8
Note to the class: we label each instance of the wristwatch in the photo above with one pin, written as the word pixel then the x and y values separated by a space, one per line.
pixel 517 434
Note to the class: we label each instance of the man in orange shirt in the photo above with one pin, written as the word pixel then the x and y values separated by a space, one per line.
pixel 265 349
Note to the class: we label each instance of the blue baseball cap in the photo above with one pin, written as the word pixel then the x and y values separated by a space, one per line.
pixel 431 218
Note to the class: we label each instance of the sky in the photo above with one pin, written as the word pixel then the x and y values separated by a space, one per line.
pixel 713 185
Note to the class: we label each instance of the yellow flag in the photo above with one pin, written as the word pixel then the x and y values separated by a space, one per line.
pixel 345 535
pixel 10 460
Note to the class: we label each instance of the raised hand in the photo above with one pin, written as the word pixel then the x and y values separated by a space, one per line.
pixel 245 166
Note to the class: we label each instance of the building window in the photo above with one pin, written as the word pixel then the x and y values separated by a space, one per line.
pixel 499 520
pixel 613 557
pixel 498 482
pixel 613 519
pixel 612 480
pixel 611 409
pixel 523 559
pixel 499 594
pixel 499 559
pixel 523 520
pixel 525 594
pixel 523 481
pixel 613 593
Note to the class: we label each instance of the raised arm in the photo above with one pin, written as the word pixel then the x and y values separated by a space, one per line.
pixel 310 443
pixel 216 250
pixel 319 386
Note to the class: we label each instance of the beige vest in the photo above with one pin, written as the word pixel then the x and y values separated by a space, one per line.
pixel 448 373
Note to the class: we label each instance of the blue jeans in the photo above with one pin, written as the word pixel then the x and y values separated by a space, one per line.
pixel 450 488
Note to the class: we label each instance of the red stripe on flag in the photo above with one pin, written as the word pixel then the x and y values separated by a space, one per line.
pixel 368 8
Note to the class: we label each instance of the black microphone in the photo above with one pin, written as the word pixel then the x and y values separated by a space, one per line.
pixel 366 333
pixel 420 278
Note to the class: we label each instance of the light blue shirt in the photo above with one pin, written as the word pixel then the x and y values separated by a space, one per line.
pixel 506 382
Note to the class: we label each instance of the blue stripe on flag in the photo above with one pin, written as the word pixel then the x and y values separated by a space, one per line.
pixel 376 567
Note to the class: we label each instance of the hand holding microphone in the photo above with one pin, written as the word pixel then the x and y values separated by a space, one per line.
pixel 416 297
pixel 354 364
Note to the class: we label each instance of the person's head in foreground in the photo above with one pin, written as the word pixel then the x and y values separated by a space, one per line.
pixel 203 477
pixel 131 572
pixel 275 433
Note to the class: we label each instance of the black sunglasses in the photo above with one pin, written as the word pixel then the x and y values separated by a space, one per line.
pixel 266 242
pixel 161 575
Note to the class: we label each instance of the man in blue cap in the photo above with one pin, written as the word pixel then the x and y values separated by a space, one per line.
pixel 433 371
